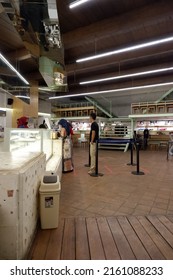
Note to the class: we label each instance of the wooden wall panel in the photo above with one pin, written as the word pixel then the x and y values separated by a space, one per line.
pixel 20 108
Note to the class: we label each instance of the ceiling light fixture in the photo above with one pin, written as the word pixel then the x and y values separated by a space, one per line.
pixel 5 109
pixel 13 69
pixel 128 75
pixel 40 114
pixel 128 49
pixel 46 89
pixel 22 96
pixel 109 91
pixel 77 3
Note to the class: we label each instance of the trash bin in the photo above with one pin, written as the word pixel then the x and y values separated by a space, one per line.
pixel 49 201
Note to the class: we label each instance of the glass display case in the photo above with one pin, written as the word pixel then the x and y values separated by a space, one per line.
pixel 32 140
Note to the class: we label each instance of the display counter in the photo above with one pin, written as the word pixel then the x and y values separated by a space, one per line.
pixel 20 176
pixel 30 140
pixel 163 137
pixel 158 141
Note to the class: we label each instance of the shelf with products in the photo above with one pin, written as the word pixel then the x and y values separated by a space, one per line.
pixel 156 127
pixel 152 107
pixel 81 127
pixel 80 124
pixel 81 130
pixel 160 128
pixel 82 111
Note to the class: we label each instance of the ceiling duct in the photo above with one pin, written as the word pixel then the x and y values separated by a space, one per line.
pixel 38 26
pixel 51 63
pixel 53 74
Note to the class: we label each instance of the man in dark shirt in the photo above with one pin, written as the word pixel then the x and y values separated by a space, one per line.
pixel 94 136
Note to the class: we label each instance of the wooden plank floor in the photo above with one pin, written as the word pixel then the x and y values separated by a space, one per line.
pixel 111 238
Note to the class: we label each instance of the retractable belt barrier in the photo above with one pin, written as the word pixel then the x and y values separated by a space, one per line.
pixel 137 164
pixel 131 153
pixel 137 172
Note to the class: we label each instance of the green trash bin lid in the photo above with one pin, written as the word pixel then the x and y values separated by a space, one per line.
pixel 50 179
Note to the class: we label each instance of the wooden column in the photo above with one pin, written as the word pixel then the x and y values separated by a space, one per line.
pixel 20 108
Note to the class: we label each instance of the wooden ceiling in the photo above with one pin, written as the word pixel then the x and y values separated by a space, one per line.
pixel 99 26
pixel 10 39
pixel 104 25
pixel 94 11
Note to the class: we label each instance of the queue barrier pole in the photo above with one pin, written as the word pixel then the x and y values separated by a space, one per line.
pixel 96 174
pixel 137 172
pixel 131 154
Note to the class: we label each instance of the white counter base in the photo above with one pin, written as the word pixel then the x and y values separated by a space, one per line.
pixel 20 176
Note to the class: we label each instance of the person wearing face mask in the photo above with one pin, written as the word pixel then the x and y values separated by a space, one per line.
pixel 64 128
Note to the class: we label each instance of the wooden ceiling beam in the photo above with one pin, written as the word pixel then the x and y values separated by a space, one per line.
pixel 1 8
pixel 6 71
pixel 19 55
pixel 146 16
pixel 34 76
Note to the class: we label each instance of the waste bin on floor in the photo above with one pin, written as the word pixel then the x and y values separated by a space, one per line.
pixel 49 201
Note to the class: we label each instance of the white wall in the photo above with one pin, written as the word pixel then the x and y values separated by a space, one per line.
pixel 9 118
pixel 122 110
pixel 44 106
pixel 3 103
pixel 121 103
pixel 3 99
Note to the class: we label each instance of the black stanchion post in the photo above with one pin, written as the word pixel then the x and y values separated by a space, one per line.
pixel 137 172
pixel 168 145
pixel 96 174
pixel 89 159
pixel 131 154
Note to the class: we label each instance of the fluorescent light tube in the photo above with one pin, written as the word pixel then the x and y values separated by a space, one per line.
pixel 128 49
pixel 22 96
pixel 128 75
pixel 112 90
pixel 13 69
pixel 77 3
pixel 5 109
pixel 44 114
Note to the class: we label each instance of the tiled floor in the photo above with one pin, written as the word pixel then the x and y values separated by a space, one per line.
pixel 118 192
pixel 117 216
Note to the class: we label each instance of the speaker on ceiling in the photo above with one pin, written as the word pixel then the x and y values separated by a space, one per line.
pixel 9 101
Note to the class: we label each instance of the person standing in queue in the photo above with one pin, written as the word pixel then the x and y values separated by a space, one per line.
pixel 146 136
pixel 94 136
pixel 67 146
